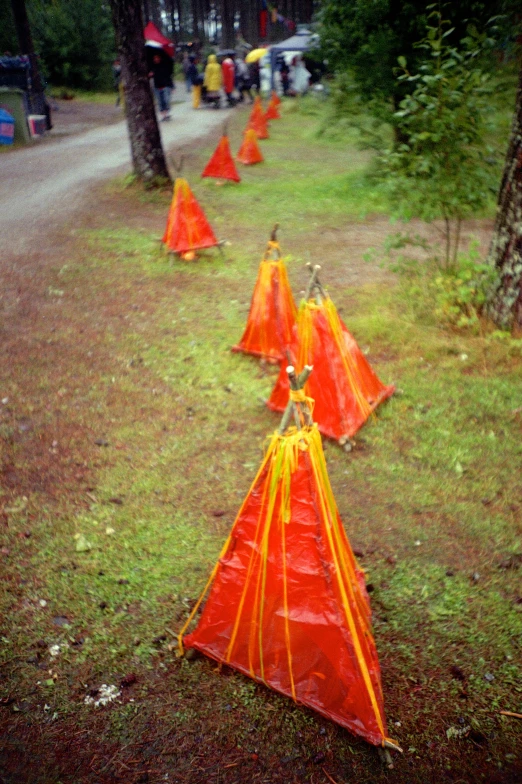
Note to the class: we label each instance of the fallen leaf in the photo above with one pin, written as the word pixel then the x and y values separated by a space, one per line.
pixel 82 544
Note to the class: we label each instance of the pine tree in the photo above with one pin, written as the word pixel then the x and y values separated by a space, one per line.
pixel 148 158
pixel 505 305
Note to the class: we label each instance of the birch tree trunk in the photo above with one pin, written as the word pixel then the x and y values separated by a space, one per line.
pixel 505 304
pixel 148 159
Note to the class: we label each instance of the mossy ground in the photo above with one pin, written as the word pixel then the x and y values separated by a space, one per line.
pixel 126 419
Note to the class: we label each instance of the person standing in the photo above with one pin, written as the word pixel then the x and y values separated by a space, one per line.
pixel 186 65
pixel 285 77
pixel 116 75
pixel 243 80
pixel 163 84
pixel 213 80
pixel 229 78
pixel 255 76
pixel 195 80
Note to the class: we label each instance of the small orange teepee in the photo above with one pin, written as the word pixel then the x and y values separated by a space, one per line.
pixel 272 112
pixel 187 227
pixel 257 109
pixel 258 124
pixel 249 151
pixel 272 312
pixel 287 603
pixel 344 385
pixel 275 99
pixel 221 165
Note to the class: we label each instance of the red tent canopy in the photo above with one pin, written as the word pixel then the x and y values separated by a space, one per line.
pixel 151 33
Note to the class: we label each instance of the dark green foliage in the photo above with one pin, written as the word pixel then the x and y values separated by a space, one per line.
pixel 74 39
pixel 8 40
pixel 367 38
pixel 442 168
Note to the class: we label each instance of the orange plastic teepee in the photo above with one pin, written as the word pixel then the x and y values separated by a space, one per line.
pixel 275 99
pixel 187 227
pixel 221 164
pixel 258 124
pixel 272 312
pixel 249 151
pixel 272 112
pixel 257 108
pixel 287 603
pixel 343 383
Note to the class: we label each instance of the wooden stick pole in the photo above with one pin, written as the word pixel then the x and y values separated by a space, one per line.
pixel 311 282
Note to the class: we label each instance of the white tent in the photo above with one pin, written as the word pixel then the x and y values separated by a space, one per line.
pixel 298 43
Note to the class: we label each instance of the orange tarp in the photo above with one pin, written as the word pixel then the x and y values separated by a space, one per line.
pixel 257 109
pixel 287 602
pixel 272 311
pixel 249 151
pixel 343 384
pixel 187 227
pixel 222 164
pixel 272 112
pixel 258 124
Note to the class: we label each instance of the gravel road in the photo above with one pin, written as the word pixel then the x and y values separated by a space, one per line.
pixel 43 184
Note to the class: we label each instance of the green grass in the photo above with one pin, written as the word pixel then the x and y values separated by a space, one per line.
pixel 430 495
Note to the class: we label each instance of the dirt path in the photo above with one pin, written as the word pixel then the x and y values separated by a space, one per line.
pixel 44 183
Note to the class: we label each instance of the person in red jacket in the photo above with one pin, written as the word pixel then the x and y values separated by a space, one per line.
pixel 229 74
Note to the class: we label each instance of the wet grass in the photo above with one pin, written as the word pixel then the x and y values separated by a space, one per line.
pixel 130 436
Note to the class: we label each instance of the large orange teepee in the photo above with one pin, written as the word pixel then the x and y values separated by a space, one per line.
pixel 287 603
pixel 221 165
pixel 249 151
pixel 272 311
pixel 187 227
pixel 343 384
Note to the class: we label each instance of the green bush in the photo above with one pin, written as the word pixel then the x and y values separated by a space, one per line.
pixel 462 290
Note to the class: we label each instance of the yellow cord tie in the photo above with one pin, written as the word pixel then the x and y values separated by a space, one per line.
pixel 298 396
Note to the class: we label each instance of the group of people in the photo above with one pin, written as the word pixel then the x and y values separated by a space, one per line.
pixel 229 75
pixel 232 76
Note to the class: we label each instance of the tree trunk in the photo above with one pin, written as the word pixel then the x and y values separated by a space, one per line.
pixel 148 159
pixel 25 41
pixel 196 21
pixel 505 253
pixel 227 12
pixel 249 21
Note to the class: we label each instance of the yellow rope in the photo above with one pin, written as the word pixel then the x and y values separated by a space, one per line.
pixel 280 462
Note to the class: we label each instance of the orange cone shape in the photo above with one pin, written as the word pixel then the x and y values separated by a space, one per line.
pixel 258 124
pixel 222 164
pixel 249 151
pixel 187 227
pixel 257 109
pixel 275 98
pixel 272 112
pixel 287 602
pixel 272 311
pixel 343 384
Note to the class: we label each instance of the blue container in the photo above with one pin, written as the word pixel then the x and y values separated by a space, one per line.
pixel 6 127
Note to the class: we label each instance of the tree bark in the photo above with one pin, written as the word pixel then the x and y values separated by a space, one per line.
pixel 148 159
pixel 227 10
pixel 505 253
pixel 25 41
pixel 249 21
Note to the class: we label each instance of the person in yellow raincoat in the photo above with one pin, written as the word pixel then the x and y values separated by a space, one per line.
pixel 213 80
